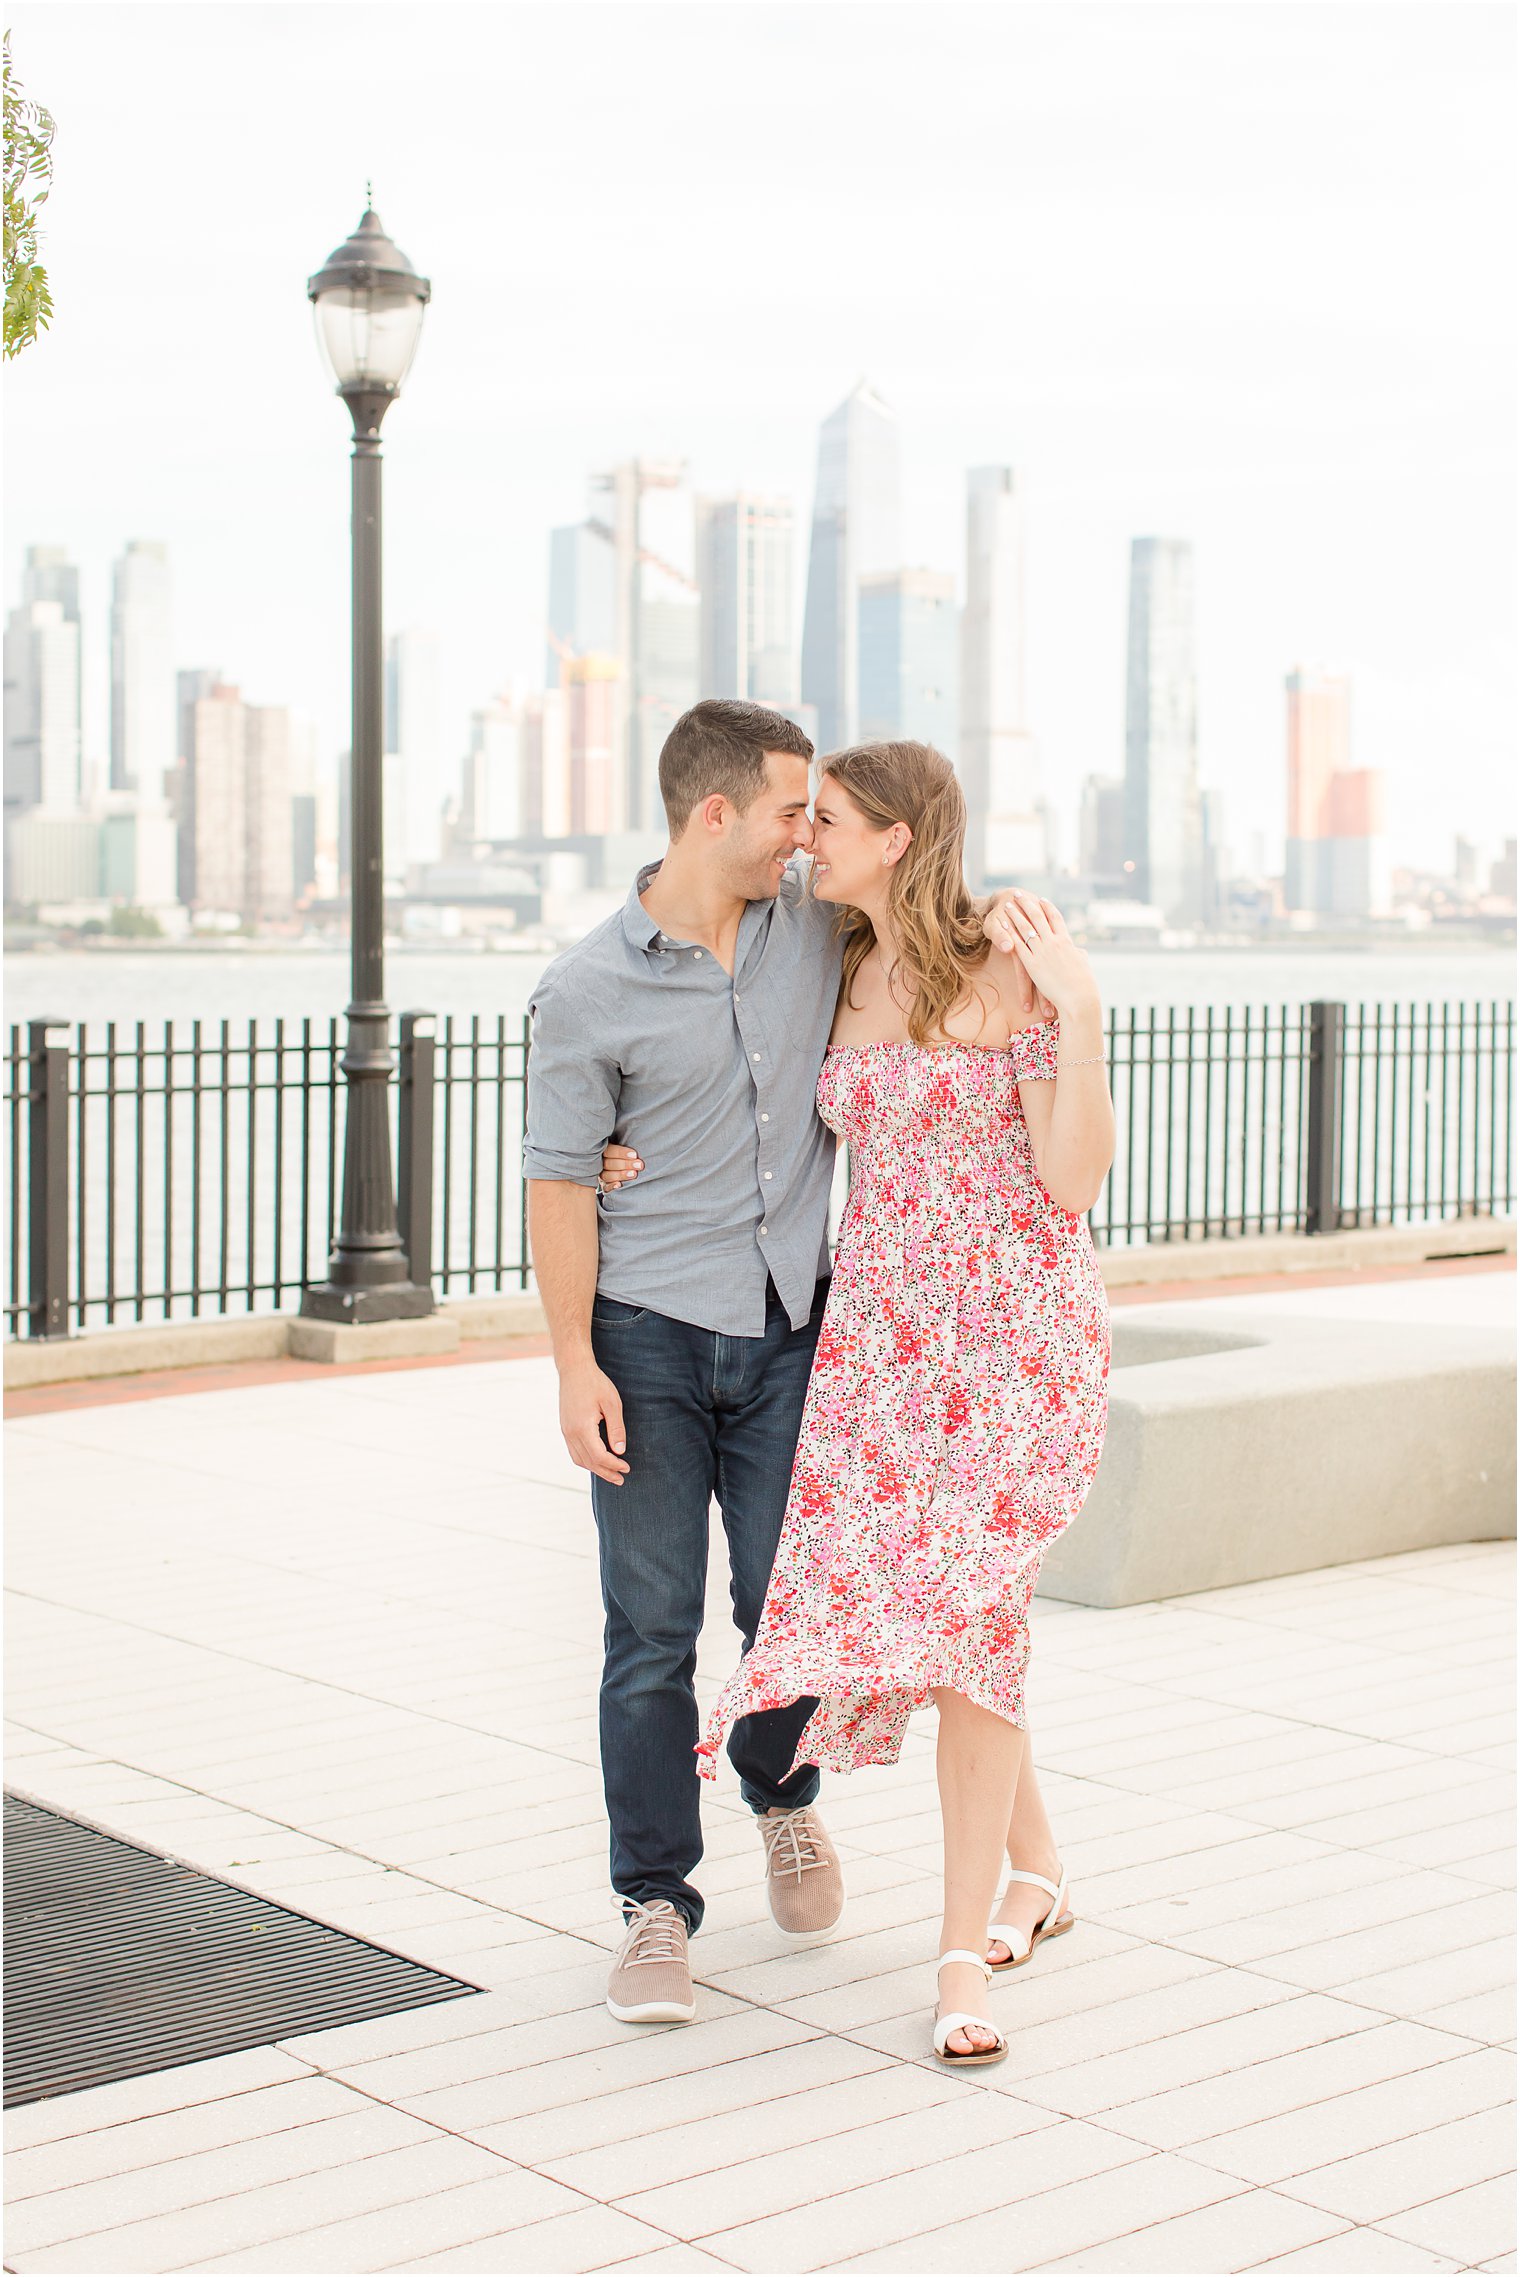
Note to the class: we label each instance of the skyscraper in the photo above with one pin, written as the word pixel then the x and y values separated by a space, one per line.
pixel 1006 833
pixel 491 807
pixel 218 765
pixel 190 688
pixel 582 596
pixel 545 765
pixel 1100 834
pixel 42 760
pixel 239 811
pixel 909 657
pixel 857 518
pixel 651 523
pixel 415 778
pixel 593 694
pixel 1163 826
pixel 268 845
pixel 1336 857
pixel 142 671
pixel 744 570
pixel 49 575
pixel 1319 749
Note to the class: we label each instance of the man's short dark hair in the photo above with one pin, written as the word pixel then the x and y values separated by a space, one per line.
pixel 720 745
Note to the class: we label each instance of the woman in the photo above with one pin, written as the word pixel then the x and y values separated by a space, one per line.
pixel 955 1413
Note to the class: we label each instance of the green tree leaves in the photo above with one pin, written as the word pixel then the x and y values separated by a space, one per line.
pixel 28 170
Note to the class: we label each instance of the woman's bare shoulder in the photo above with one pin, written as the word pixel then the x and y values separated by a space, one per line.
pixel 1003 979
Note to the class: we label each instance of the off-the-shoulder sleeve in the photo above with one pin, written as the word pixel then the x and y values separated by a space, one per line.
pixel 1033 1052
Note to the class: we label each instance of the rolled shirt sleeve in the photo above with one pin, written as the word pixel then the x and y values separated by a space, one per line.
pixel 573 1087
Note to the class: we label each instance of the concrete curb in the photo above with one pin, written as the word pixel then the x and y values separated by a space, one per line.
pixel 276 1336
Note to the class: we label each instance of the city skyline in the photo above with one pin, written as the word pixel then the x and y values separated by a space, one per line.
pixel 1140 355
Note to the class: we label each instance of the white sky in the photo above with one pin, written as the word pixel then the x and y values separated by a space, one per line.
pixel 1232 271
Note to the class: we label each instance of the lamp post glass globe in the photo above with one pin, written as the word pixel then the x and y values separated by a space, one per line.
pixel 369 302
pixel 368 334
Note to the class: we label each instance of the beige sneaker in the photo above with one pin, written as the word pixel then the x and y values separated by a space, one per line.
pixel 804 1881
pixel 650 1981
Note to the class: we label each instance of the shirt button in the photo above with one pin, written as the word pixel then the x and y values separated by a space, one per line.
pixel 696 952
pixel 765 1229
pixel 767 1174
pixel 754 1055
pixel 765 1118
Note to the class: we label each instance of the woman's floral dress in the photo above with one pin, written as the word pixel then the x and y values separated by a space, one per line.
pixel 955 1414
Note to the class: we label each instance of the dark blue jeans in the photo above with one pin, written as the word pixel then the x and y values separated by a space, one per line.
pixel 706 1416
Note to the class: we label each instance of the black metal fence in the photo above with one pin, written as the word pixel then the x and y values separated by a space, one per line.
pixel 195 1170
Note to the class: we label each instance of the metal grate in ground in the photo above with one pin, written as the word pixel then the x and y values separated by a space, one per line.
pixel 119 1962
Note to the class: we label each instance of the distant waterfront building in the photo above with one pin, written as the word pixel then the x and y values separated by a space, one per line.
pixel 239 811
pixel 137 853
pixel 582 596
pixel 1163 823
pixel 1100 833
pixel 42 726
pixel 909 657
pixel 1007 834
pixel 744 572
pixel 52 858
pixel 650 522
pixel 190 688
pixel 218 778
pixel 1336 862
pixel 268 844
pixel 857 530
pixel 49 575
pixel 594 701
pixel 545 764
pixel 1319 749
pixel 1501 877
pixel 415 775
pixel 142 671
pixel 491 801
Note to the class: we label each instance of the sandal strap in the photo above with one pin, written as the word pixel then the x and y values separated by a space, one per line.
pixel 956 2021
pixel 1004 1933
pixel 962 1953
pixel 1040 1881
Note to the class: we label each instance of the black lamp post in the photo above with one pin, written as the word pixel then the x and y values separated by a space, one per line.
pixel 369 302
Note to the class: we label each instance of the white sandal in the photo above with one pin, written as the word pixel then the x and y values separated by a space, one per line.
pixel 1052 1923
pixel 958 2019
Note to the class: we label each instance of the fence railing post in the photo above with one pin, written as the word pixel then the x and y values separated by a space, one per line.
pixel 1322 1170
pixel 414 1152
pixel 48 1177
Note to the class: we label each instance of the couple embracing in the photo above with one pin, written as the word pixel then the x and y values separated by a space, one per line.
pixel 893 1447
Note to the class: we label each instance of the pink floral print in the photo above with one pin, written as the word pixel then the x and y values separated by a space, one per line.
pixel 955 1414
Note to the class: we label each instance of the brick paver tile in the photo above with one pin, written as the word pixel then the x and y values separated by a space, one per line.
pixel 1236 2233
pixel 1380 2116
pixel 1475 2225
pixel 1397 2176
pixel 594 2238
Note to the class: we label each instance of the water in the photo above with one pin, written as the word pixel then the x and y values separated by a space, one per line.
pixel 197 1185
pixel 220 984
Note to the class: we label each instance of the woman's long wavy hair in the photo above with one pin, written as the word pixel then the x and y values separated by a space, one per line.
pixel 937 923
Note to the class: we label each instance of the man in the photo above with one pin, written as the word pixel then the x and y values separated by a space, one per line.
pixel 684 1309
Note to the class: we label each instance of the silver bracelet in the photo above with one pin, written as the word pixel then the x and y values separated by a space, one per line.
pixel 1095 1061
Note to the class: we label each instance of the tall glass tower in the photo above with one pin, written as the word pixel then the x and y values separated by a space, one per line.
pixel 143 720
pixel 1163 815
pixel 857 529
pixel 744 568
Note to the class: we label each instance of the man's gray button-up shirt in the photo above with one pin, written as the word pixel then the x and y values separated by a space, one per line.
pixel 712 1081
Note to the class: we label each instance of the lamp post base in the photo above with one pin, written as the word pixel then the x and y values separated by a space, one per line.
pixel 399 1300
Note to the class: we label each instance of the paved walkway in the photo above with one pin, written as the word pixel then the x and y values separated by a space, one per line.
pixel 337 1641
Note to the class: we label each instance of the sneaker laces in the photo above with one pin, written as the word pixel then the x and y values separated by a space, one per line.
pixel 655 1933
pixel 796 1836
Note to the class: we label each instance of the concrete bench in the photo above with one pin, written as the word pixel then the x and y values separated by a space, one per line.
pixel 1240 1447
